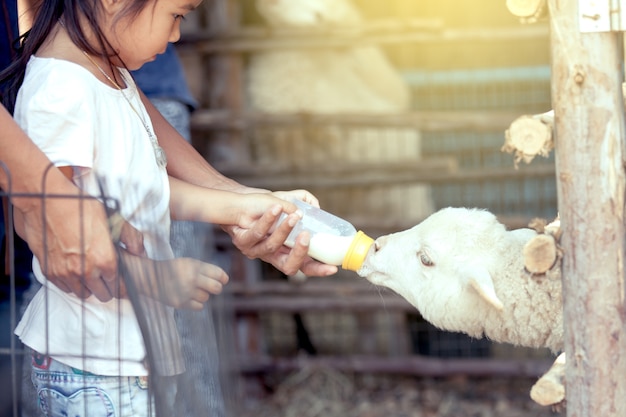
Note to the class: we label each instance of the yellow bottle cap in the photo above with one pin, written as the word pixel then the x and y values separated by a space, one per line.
pixel 357 251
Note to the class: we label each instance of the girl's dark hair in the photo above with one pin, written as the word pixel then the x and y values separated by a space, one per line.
pixel 48 14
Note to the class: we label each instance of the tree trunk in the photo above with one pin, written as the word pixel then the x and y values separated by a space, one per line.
pixel 589 128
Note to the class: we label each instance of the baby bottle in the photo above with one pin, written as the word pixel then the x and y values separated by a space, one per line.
pixel 334 241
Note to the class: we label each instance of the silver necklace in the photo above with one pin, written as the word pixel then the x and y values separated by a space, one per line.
pixel 159 153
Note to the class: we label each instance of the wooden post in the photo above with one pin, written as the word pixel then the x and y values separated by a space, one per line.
pixel 589 126
pixel 224 85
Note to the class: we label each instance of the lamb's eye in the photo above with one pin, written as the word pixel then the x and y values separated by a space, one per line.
pixel 425 259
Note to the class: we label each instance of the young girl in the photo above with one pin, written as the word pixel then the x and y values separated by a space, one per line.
pixel 78 102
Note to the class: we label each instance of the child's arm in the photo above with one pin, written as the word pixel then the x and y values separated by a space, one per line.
pixel 192 202
pixel 256 241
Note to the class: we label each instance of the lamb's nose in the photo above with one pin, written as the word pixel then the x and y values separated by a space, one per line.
pixel 378 244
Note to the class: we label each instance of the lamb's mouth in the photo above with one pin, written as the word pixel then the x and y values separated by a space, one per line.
pixel 374 277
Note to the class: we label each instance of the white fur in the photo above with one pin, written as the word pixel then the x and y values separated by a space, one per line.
pixel 355 79
pixel 464 272
pixel 307 13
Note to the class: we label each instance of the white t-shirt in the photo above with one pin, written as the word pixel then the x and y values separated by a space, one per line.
pixel 81 122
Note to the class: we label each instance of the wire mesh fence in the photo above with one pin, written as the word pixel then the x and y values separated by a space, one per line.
pixel 187 375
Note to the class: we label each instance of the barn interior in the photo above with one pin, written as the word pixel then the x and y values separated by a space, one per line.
pixel 471 69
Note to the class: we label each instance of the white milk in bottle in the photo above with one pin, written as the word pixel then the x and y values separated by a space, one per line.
pixel 334 241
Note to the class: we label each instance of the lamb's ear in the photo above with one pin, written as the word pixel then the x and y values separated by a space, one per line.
pixel 480 280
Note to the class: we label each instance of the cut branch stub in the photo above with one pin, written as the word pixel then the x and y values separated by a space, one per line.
pixel 529 136
pixel 529 11
pixel 540 254
pixel 550 388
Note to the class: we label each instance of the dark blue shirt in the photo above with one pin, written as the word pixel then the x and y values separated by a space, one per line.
pixel 165 78
pixel 8 31
pixel 22 255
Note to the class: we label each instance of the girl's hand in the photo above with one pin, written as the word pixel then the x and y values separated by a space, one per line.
pixel 302 195
pixel 257 242
pixel 180 283
pixel 258 238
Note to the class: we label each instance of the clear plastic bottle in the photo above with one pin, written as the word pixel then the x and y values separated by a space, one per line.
pixel 334 240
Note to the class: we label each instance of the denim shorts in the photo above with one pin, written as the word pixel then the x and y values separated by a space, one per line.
pixel 66 391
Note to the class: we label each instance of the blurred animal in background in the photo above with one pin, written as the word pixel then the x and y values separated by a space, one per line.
pixel 329 81
pixel 322 80
pixel 465 272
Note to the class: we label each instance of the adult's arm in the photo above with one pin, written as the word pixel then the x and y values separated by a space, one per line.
pixel 69 235
pixel 186 164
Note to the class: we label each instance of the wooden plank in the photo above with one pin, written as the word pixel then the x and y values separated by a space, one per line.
pixel 391 174
pixel 587 75
pixel 404 365
pixel 285 304
pixel 372 26
pixel 255 39
pixel 322 286
pixel 340 175
pixel 426 121
pixel 442 165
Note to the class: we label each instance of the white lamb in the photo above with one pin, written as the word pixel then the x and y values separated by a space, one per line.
pixel 465 272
